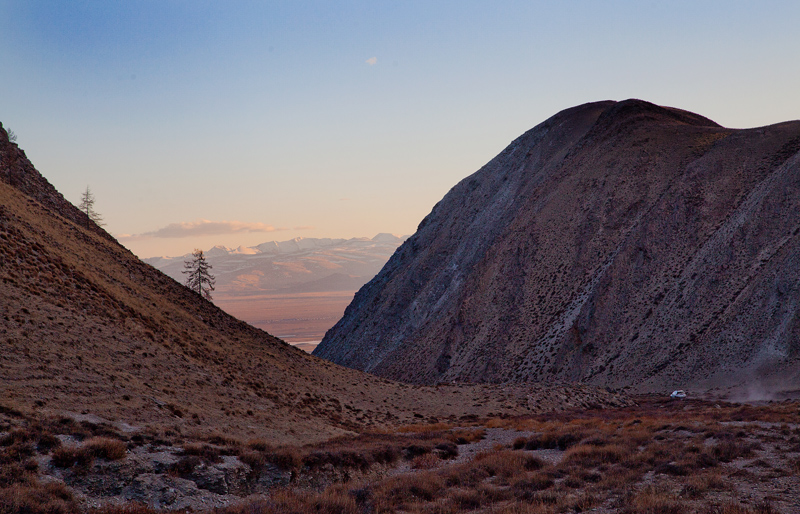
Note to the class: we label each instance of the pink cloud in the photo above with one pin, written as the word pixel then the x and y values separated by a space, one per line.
pixel 200 228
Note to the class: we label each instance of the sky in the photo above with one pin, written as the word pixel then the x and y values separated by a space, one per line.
pixel 198 123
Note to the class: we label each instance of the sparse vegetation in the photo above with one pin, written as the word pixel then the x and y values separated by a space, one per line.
pixel 690 456
pixel 65 457
pixel 106 448
pixel 654 458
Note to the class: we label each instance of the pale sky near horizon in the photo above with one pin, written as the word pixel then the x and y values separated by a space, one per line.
pixel 199 123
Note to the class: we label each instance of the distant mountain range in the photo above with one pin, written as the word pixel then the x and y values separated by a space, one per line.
pixel 299 265
pixel 295 289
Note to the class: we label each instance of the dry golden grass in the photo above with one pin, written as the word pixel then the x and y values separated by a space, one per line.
pixel 658 458
pixel 686 449
pixel 49 498
pixel 65 457
pixel 106 448
pixel 424 427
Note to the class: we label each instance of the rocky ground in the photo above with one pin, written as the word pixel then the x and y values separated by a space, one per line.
pixel 665 456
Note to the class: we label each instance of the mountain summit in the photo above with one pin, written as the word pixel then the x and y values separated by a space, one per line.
pixel 617 244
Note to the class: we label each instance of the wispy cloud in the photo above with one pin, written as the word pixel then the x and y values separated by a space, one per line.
pixel 200 228
pixel 372 61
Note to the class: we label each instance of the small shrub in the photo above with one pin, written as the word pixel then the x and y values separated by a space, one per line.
pixel 618 477
pixel 51 498
pixel 256 460
pixel 259 445
pixel 206 452
pixel 14 473
pixel 466 436
pixel 185 466
pixel 67 457
pixel 385 454
pixel 17 452
pixel 524 488
pixel 130 508
pixel 421 428
pixel 506 463
pixel 447 450
pixel 427 461
pixel 469 499
pixel 288 459
pixel 652 501
pixel 396 492
pixel 16 436
pixel 671 468
pixel 553 441
pixel 581 502
pixel 106 448
pixel 47 442
pixel 588 456
pixel 727 450
pixel 223 440
pixel 415 450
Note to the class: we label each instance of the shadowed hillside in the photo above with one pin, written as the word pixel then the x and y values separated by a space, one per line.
pixel 617 244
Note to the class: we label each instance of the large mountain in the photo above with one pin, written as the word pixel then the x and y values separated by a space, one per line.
pixel 618 244
pixel 89 331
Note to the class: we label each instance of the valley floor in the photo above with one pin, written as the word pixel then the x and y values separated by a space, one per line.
pixel 295 318
pixel 660 456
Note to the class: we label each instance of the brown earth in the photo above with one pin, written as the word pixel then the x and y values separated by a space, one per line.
pixel 620 244
pixel 90 332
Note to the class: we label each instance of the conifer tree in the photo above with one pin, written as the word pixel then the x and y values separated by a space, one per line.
pixel 199 279
pixel 87 206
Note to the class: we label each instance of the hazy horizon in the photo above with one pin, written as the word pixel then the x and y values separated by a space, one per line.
pixel 236 247
pixel 198 124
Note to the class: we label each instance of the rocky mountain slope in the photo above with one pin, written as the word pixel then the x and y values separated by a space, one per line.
pixel 617 244
pixel 91 333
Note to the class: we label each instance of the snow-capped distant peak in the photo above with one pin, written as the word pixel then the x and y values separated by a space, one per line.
pixel 245 250
pixel 218 251
pixel 385 237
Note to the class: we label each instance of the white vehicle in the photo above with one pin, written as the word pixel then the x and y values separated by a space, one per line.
pixel 680 393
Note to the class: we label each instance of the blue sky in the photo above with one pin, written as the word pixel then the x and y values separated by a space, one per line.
pixel 200 123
